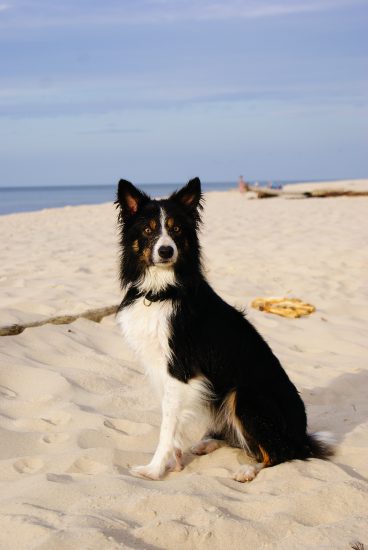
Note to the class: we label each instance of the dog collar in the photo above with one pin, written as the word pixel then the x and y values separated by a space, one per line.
pixel 170 293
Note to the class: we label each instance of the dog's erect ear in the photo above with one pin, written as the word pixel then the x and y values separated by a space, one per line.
pixel 190 195
pixel 129 198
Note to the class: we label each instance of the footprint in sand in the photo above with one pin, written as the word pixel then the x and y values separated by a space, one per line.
pixel 7 392
pixel 127 427
pixel 28 465
pixel 59 478
pixel 87 466
pixel 55 438
pixel 59 418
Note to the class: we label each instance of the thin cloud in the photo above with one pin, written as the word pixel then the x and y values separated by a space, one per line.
pixel 45 13
pixel 109 130
pixel 69 101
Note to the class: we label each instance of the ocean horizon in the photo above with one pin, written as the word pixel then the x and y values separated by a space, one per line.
pixel 33 198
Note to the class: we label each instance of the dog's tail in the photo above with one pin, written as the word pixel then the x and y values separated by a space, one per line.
pixel 321 445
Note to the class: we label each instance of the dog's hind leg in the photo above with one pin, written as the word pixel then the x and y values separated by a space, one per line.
pixel 247 472
pixel 209 443
pixel 231 417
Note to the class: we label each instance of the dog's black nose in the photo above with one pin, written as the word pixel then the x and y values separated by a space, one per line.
pixel 165 252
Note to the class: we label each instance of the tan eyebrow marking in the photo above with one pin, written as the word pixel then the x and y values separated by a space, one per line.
pixel 152 224
pixel 170 223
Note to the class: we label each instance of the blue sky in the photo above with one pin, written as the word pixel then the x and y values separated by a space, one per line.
pixel 163 90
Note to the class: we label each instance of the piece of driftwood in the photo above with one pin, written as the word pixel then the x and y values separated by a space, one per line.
pixel 322 193
pixel 268 192
pixel 95 315
pixel 265 192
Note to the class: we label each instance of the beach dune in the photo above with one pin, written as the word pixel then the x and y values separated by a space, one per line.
pixel 76 410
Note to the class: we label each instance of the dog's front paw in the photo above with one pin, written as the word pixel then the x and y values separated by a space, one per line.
pixel 146 472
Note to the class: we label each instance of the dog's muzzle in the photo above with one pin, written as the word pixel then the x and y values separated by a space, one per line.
pixel 166 252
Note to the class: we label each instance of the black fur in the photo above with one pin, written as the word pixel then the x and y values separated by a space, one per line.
pixel 213 339
pixel 184 206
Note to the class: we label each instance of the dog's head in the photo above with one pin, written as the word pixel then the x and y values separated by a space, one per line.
pixel 158 233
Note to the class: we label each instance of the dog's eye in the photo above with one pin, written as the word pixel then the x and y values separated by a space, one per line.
pixel 148 231
pixel 176 229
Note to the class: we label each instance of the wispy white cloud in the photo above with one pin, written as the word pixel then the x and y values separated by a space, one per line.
pixel 77 98
pixel 47 13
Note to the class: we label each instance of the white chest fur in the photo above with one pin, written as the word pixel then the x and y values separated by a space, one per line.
pixel 147 331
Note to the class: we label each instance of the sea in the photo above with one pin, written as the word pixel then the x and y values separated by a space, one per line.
pixel 27 199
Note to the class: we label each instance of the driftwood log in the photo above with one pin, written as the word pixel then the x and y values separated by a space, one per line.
pixel 95 315
pixel 268 192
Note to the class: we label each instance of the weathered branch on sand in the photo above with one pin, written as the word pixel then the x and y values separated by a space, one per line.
pixel 268 192
pixel 95 315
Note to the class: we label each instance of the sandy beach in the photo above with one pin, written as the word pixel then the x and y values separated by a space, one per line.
pixel 76 411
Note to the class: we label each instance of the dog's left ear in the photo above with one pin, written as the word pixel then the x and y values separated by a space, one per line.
pixel 190 195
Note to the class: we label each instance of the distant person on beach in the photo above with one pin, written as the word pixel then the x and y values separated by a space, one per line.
pixel 272 185
pixel 242 185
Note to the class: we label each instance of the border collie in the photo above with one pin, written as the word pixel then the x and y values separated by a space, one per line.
pixel 201 354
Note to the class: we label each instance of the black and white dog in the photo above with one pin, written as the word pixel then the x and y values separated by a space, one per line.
pixel 201 354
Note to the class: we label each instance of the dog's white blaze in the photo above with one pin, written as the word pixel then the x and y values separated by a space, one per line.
pixel 164 240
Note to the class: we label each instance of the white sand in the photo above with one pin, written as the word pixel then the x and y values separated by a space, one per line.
pixel 76 411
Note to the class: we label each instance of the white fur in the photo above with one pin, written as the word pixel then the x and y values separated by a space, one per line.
pixel 178 403
pixel 248 472
pixel 327 438
pixel 147 330
pixel 164 240
pixel 206 446
pixel 157 278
